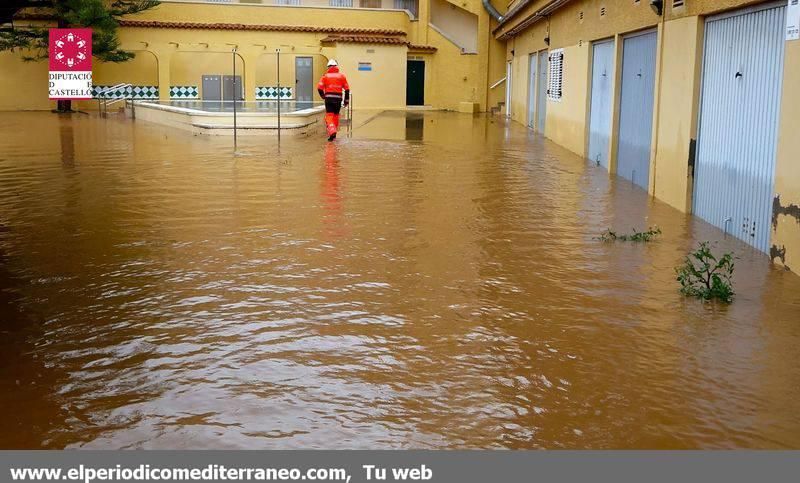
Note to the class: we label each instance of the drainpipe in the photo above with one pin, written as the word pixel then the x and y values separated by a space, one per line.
pixel 492 11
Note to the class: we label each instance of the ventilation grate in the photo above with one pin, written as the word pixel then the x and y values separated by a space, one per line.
pixel 678 3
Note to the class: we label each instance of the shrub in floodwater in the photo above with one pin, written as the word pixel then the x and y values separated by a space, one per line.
pixel 636 236
pixel 706 276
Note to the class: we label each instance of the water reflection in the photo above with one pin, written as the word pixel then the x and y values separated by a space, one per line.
pixel 367 293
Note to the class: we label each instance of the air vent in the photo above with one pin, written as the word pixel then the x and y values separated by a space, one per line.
pixel 580 16
pixel 602 11
pixel 678 3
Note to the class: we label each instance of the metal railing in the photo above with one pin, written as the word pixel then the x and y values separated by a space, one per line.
pixel 497 83
pixel 349 111
pixel 103 101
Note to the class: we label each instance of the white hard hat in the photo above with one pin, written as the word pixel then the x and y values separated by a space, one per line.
pixel 332 63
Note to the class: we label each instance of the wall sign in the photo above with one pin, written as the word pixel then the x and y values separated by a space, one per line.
pixel 793 20
pixel 70 56
pixel 365 66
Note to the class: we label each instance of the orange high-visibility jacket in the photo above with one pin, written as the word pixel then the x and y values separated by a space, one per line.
pixel 333 84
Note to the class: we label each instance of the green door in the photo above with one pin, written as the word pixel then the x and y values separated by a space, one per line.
pixel 415 83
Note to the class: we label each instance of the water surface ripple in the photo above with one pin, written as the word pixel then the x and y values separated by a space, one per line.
pixel 431 282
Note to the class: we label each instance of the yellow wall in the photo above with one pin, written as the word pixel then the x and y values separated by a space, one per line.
pixel 566 119
pixel 787 173
pixel 142 70
pixel 23 85
pixel 274 15
pixel 378 88
pixel 676 123
pixel 456 23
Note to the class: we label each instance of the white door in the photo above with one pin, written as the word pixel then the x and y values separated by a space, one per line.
pixel 636 107
pixel 541 93
pixel 533 61
pixel 601 101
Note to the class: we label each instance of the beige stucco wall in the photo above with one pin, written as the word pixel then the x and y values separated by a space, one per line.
pixel 676 121
pixel 275 15
pixel 456 23
pixel 23 85
pixel 378 88
pixel 786 235
pixel 142 70
pixel 566 119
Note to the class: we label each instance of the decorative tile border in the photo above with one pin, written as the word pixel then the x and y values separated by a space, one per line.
pixel 135 92
pixel 184 92
pixel 271 92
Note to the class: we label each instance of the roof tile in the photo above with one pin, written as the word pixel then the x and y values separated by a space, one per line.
pixel 261 27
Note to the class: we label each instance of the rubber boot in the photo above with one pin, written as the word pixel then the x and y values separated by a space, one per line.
pixel 330 124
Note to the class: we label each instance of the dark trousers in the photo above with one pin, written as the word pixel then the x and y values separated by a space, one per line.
pixel 333 104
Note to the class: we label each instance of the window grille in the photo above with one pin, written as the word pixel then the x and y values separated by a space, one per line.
pixel 340 3
pixel 555 76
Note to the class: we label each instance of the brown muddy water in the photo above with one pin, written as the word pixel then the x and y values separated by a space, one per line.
pixel 431 282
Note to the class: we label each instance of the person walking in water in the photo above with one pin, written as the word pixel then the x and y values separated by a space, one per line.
pixel 333 87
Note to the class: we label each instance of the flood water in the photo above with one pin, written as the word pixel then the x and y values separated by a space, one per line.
pixel 430 282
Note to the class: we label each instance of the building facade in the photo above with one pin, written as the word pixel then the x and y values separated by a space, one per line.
pixel 694 101
pixel 395 53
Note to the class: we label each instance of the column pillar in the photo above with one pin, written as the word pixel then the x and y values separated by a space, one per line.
pixel 423 18
pixel 250 63
pixel 164 59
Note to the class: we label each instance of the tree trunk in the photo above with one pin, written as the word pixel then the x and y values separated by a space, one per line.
pixel 64 106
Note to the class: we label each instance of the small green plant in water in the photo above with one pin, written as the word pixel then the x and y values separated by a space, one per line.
pixel 636 236
pixel 705 276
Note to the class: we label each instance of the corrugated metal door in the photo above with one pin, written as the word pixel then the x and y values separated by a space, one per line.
pixel 636 107
pixel 533 60
pixel 602 96
pixel 541 95
pixel 737 139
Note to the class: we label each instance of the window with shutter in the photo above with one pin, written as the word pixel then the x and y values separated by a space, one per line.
pixel 555 78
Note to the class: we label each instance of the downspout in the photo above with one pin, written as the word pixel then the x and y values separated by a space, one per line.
pixel 492 11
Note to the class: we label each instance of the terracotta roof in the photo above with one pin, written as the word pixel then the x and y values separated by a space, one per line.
pixel 364 39
pixel 35 13
pixel 423 48
pixel 240 26
pixel 373 39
